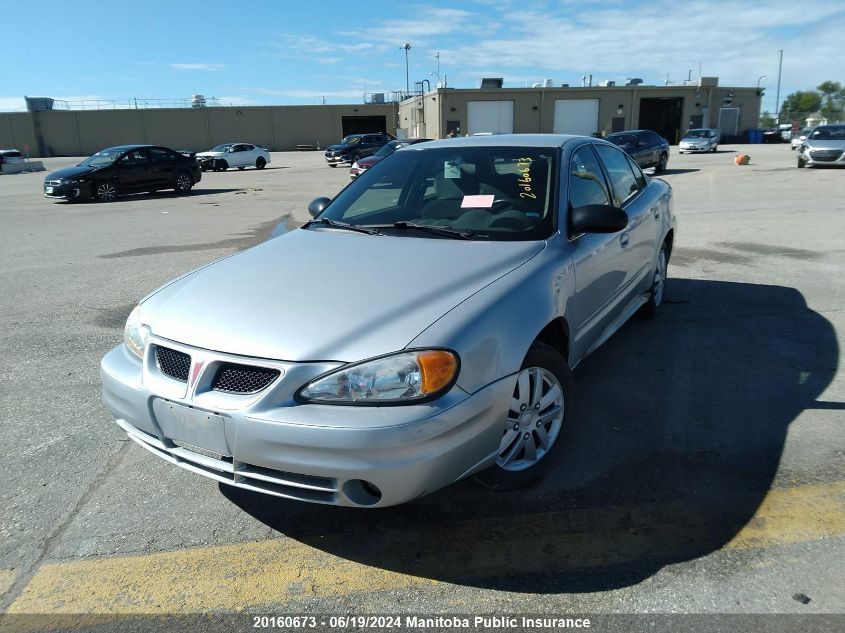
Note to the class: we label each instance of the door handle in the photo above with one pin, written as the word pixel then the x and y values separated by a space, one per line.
pixel 656 211
pixel 624 239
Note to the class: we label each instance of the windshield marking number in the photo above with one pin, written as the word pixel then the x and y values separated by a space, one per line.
pixel 523 167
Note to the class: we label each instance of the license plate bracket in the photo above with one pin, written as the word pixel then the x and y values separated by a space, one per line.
pixel 192 426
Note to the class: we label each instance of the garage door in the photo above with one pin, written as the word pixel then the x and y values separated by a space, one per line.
pixel 491 117
pixel 576 116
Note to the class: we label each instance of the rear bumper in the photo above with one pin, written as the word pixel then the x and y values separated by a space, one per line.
pixel 319 453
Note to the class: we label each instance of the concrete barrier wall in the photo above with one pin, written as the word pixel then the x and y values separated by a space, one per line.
pixel 279 128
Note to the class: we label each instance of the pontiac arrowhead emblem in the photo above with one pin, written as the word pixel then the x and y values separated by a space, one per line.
pixel 195 371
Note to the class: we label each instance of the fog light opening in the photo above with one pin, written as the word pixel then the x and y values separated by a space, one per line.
pixel 362 492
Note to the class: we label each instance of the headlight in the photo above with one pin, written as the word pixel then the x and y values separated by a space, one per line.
pixel 135 334
pixel 355 165
pixel 403 378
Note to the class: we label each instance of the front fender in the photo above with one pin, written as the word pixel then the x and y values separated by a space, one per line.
pixel 493 329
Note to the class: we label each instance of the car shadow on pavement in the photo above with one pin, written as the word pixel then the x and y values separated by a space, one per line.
pixel 671 172
pixel 678 431
pixel 158 195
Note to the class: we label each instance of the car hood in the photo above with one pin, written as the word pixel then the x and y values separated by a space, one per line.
pixel 71 172
pixel 694 139
pixel 812 144
pixel 327 295
pixel 211 154
pixel 337 148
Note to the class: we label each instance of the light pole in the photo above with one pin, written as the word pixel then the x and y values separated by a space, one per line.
pixel 759 79
pixel 777 95
pixel 406 47
pixel 437 55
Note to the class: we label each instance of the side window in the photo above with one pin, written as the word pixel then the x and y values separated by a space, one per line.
pixel 638 173
pixel 134 158
pixel 586 181
pixel 158 154
pixel 248 148
pixel 622 179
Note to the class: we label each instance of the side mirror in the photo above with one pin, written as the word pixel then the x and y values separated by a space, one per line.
pixel 598 218
pixel 316 206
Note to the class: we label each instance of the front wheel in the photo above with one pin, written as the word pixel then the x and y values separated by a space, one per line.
pixel 658 284
pixel 183 183
pixel 534 422
pixel 714 148
pixel 260 162
pixel 105 192
pixel 801 162
pixel 661 163
pixel 221 165
pixel 332 164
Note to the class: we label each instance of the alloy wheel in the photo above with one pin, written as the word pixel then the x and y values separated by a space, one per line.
pixel 534 419
pixel 183 182
pixel 106 192
pixel 659 282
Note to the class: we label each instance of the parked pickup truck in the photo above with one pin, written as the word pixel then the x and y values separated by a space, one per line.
pixel 355 146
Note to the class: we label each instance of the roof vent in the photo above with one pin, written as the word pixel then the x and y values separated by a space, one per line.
pixel 633 81
pixel 491 82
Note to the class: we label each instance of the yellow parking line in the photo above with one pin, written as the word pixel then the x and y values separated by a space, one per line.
pixel 232 577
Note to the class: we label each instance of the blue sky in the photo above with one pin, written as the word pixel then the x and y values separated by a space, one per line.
pixel 261 52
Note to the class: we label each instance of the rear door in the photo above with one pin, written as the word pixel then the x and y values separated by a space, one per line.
pixel 163 165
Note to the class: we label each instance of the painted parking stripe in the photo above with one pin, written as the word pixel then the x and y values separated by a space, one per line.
pixel 232 577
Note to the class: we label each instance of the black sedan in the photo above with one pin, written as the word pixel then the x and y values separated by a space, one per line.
pixel 124 169
pixel 648 148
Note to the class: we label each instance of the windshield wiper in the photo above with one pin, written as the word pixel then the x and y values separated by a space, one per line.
pixel 341 225
pixel 435 230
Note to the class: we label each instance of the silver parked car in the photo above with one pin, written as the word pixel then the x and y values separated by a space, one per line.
pixel 825 145
pixel 700 140
pixel 420 329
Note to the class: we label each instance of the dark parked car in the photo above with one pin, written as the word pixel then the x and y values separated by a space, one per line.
pixel 356 146
pixel 648 148
pixel 362 165
pixel 124 169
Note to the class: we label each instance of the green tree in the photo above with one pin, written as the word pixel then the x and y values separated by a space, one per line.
pixel 801 102
pixel 833 101
pixel 767 120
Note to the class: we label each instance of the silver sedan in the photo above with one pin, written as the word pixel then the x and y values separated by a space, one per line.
pixel 420 329
pixel 824 146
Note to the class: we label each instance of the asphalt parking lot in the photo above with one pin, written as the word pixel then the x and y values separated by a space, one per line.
pixel 706 474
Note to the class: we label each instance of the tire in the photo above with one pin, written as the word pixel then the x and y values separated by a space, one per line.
pixel 260 162
pixel 332 165
pixel 105 192
pixel 714 148
pixel 801 162
pixel 658 284
pixel 183 183
pixel 355 158
pixel 221 165
pixel 523 429
pixel 661 163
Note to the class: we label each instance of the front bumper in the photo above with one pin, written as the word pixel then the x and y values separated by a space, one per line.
pixel 340 455
pixel 694 148
pixel 822 157
pixel 66 190
pixel 336 159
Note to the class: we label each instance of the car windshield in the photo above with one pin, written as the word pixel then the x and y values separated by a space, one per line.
pixel 221 148
pixel 828 133
pixel 495 193
pixel 350 140
pixel 696 134
pixel 102 159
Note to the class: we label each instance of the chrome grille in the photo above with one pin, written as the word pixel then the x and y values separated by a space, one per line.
pixel 174 364
pixel 827 155
pixel 233 378
pixel 52 183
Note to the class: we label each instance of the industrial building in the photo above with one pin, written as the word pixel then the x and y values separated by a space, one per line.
pixel 44 131
pixel 590 110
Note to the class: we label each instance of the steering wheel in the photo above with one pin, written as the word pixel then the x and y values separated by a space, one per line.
pixel 501 205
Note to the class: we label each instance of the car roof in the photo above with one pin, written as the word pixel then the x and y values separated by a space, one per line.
pixel 126 148
pixel 502 140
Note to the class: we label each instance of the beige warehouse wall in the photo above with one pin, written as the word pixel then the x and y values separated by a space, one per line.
pixel 80 133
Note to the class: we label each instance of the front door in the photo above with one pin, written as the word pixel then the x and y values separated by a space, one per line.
pixel 598 258
pixel 133 170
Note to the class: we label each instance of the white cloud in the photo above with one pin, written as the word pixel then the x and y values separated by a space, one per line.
pixel 203 67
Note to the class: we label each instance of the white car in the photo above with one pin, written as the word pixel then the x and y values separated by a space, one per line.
pixel 800 137
pixel 11 156
pixel 240 155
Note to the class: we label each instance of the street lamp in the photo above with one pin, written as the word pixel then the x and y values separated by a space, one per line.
pixel 759 79
pixel 406 47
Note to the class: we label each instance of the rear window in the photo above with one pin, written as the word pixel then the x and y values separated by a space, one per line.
pixel 11 154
